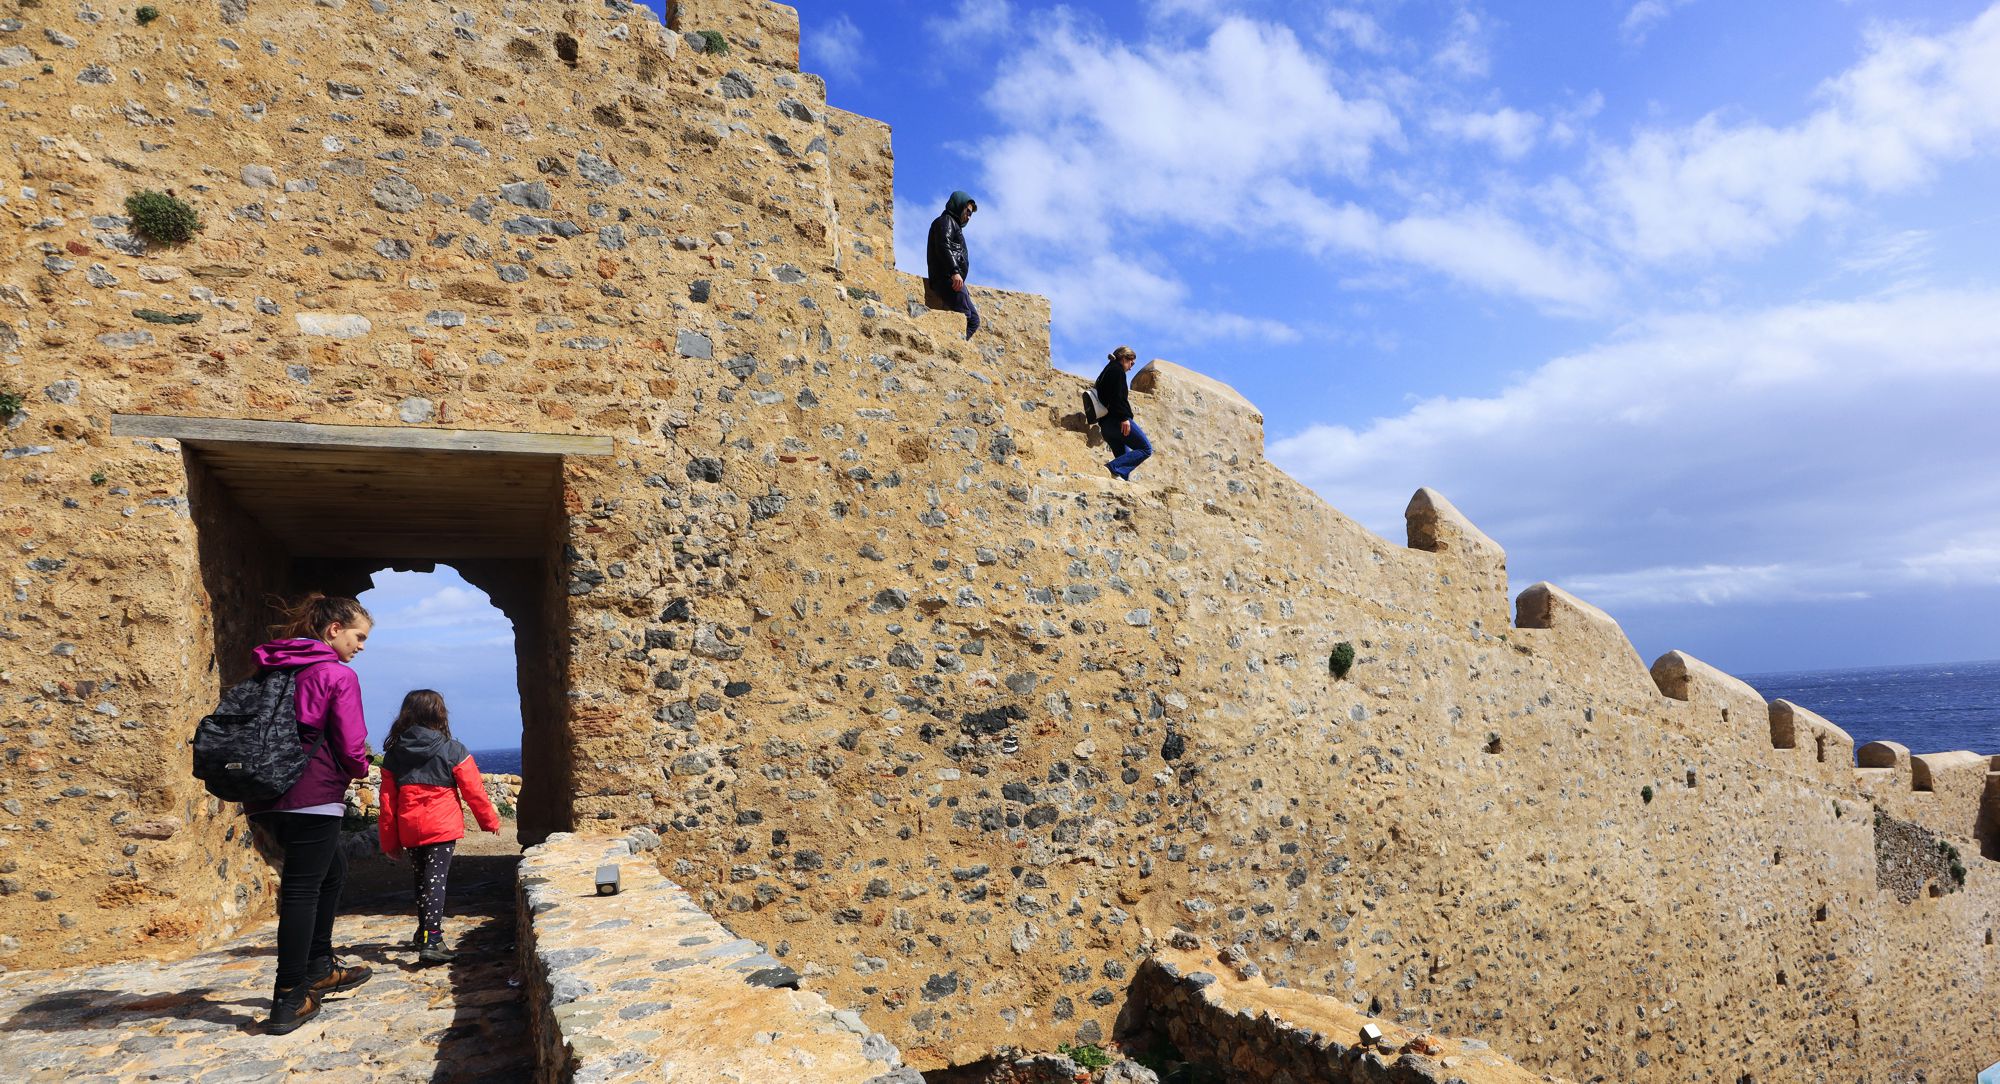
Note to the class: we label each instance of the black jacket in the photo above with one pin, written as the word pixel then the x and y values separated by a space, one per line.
pixel 1111 391
pixel 946 253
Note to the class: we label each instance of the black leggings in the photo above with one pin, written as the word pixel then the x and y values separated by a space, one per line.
pixel 308 890
pixel 431 864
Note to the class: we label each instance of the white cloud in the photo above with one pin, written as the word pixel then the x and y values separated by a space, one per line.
pixel 1643 16
pixel 973 22
pixel 1467 51
pixel 1242 136
pixel 1721 187
pixel 1359 29
pixel 835 47
pixel 1512 133
pixel 1813 451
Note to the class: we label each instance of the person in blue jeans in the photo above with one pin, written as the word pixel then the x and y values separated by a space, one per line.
pixel 1129 446
pixel 947 263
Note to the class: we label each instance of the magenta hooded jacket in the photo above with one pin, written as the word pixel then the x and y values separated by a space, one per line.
pixel 329 698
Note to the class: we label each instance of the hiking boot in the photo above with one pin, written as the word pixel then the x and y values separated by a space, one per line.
pixel 435 951
pixel 290 1008
pixel 332 977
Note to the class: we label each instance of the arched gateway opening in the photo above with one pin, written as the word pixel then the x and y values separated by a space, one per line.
pixel 280 508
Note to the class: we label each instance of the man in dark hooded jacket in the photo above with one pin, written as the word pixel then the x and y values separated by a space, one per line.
pixel 944 287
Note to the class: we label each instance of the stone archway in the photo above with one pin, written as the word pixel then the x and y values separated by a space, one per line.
pixel 280 508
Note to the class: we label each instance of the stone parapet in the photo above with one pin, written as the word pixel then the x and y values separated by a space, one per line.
pixel 1473 567
pixel 1240 1026
pixel 1808 742
pixel 644 985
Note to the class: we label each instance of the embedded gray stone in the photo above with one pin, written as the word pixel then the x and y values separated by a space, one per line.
pixel 596 170
pixel 736 85
pixel 96 73
pixel 530 194
pixel 255 176
pixel 333 325
pixel 396 194
pixel 125 340
pixel 693 344
pixel 344 92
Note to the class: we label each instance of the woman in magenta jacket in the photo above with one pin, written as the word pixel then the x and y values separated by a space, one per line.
pixel 321 636
pixel 424 773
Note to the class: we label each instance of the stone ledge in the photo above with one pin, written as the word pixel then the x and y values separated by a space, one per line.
pixel 646 985
pixel 1249 1030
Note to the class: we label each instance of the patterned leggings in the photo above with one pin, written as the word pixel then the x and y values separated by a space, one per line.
pixel 432 864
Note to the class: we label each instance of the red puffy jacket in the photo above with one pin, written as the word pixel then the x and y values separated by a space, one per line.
pixel 423 776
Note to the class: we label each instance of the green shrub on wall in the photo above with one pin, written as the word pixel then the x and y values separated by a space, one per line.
pixel 10 403
pixel 1342 659
pixel 146 14
pixel 160 216
pixel 712 42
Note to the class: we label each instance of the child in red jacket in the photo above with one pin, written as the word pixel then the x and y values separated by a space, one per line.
pixel 424 773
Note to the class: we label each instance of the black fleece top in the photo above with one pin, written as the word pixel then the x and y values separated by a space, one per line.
pixel 1111 391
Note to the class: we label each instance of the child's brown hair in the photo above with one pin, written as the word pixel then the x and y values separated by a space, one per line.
pixel 421 707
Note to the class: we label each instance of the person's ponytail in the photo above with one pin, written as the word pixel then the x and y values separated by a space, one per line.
pixel 311 615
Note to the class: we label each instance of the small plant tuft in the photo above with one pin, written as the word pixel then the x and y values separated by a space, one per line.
pixel 146 14
pixel 162 217
pixel 1646 794
pixel 1341 661
pixel 712 42
pixel 98 478
pixel 505 809
pixel 10 403
pixel 1085 1055
pixel 1958 874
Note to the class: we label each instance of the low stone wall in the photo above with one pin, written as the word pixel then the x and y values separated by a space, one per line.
pixel 1229 1022
pixel 646 985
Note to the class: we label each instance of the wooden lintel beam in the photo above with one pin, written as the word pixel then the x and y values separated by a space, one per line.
pixel 311 435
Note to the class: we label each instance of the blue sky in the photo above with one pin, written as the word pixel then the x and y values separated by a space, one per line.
pixel 1691 305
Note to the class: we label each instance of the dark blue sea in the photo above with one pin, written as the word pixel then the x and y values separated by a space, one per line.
pixel 498 761
pixel 1932 708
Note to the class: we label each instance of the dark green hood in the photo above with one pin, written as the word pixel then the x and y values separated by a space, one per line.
pixel 957 203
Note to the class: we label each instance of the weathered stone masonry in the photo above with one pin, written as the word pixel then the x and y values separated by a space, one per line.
pixel 831 559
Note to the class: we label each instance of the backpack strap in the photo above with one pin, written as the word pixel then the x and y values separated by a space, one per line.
pixel 292 690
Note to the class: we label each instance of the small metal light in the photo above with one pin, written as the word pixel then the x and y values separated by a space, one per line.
pixel 1370 1035
pixel 607 879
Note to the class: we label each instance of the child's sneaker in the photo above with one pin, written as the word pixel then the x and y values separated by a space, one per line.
pixel 434 950
pixel 290 1008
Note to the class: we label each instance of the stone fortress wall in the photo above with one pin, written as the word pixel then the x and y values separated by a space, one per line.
pixel 831 559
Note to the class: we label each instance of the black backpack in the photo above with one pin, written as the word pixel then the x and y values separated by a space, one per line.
pixel 248 750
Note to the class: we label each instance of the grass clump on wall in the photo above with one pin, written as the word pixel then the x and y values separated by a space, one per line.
pixel 162 217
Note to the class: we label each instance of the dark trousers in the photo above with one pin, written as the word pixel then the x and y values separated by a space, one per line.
pixel 308 891
pixel 431 865
pixel 1127 451
pixel 950 300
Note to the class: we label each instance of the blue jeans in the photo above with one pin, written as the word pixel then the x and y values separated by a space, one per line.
pixel 1129 450
pixel 953 301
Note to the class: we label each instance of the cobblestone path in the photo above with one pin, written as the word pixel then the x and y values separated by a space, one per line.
pixel 198 1019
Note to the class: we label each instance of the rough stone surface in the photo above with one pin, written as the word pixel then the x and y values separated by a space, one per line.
pixel 646 983
pixel 197 1016
pixel 1454 831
